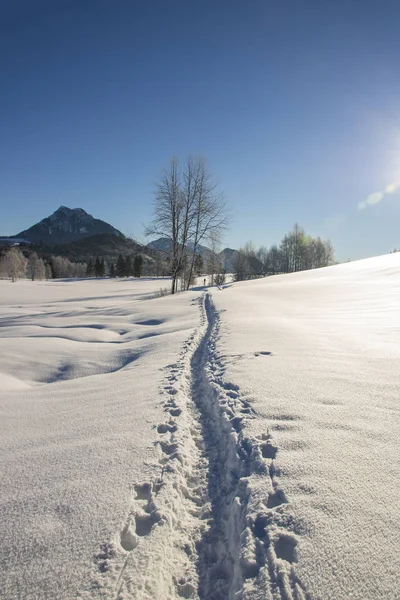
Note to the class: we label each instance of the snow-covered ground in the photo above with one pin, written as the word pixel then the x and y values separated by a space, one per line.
pixel 80 387
pixel 316 355
pixel 241 444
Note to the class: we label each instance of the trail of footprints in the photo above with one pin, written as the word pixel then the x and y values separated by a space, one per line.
pixel 266 545
pixel 185 477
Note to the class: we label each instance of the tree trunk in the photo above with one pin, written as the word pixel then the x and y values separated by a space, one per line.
pixel 191 267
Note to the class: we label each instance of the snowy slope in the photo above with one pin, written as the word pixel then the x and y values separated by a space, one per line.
pixel 234 445
pixel 316 355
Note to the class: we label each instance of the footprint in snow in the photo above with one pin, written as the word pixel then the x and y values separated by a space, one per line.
pixel 129 539
pixel 285 547
pixel 284 544
pixel 275 499
pixel 143 491
pixel 166 428
pixel 141 522
pixel 231 387
pixel 138 526
pixel 268 450
pixel 170 390
pixel 175 412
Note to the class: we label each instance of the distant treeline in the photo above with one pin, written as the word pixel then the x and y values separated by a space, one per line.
pixel 297 251
pixel 17 264
pixel 128 266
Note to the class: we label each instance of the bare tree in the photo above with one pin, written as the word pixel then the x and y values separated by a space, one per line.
pixel 63 268
pixel 274 260
pixel 241 269
pixel 35 269
pixel 209 217
pixel 187 210
pixel 255 267
pixel 160 265
pixel 297 252
pixel 214 264
pixel 13 264
pixel 48 271
pixel 262 255
pixel 168 213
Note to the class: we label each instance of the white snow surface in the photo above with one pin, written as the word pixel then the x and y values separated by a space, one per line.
pixel 80 382
pixel 316 354
pixel 236 444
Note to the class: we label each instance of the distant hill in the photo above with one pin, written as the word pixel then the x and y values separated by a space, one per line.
pixel 227 256
pixel 162 244
pixel 12 241
pixel 77 235
pixel 106 245
pixel 66 225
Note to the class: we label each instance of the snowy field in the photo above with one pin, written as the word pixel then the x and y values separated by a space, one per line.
pixel 240 444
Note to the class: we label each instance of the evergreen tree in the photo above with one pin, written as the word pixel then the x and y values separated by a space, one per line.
pixel 90 268
pixel 102 268
pixel 97 267
pixel 120 266
pixel 128 267
pixel 198 265
pixel 53 271
pixel 112 270
pixel 138 265
pixel 49 271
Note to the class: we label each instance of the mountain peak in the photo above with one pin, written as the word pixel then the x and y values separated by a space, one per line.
pixel 67 225
pixel 66 209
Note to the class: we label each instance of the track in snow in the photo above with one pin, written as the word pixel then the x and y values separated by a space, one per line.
pixel 215 524
pixel 249 550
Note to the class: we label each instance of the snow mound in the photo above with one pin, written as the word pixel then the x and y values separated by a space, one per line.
pixel 7 382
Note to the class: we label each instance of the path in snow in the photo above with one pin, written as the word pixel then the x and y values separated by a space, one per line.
pixel 215 524
pixel 249 551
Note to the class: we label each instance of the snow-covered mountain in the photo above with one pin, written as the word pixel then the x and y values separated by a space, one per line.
pixel 66 225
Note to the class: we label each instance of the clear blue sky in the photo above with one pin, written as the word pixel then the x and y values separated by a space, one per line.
pixel 295 105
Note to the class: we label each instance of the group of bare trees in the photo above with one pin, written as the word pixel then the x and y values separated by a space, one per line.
pixel 188 210
pixel 299 252
pixel 14 265
pixel 63 268
pixel 296 252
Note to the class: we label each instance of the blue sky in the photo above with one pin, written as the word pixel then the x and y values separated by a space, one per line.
pixel 294 104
